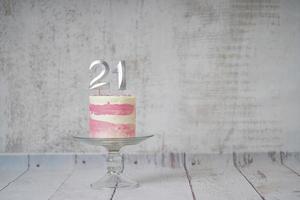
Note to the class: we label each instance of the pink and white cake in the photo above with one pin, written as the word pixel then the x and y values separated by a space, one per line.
pixel 112 116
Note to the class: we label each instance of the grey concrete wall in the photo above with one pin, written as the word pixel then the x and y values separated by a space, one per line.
pixel 209 76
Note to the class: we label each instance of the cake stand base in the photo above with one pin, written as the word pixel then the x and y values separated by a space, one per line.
pixel 114 181
pixel 114 177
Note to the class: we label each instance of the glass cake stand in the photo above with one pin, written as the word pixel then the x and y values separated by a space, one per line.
pixel 114 177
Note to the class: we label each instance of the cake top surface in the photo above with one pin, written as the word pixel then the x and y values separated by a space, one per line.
pixel 112 99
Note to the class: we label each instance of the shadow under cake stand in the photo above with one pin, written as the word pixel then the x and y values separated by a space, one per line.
pixel 114 177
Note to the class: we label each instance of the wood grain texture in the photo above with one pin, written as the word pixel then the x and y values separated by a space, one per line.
pixel 291 161
pixel 45 175
pixel 88 169
pixel 215 177
pixel 12 167
pixel 270 178
pixel 156 181
pixel 251 176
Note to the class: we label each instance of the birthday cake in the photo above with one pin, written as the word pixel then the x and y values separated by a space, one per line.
pixel 112 116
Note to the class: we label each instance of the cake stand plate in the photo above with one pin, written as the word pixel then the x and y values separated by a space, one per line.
pixel 114 177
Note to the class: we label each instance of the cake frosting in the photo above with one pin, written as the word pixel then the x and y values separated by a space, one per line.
pixel 112 116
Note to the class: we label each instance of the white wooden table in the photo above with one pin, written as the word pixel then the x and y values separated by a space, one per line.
pixel 162 176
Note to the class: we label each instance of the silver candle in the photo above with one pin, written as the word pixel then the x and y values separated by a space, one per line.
pixel 99 77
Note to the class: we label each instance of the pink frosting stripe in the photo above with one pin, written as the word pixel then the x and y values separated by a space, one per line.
pixel 98 128
pixel 112 109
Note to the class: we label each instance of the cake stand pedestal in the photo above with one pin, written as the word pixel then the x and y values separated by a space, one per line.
pixel 114 177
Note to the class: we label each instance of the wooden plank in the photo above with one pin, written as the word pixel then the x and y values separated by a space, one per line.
pixel 215 177
pixel 291 161
pixel 271 179
pixel 88 169
pixel 46 174
pixel 12 167
pixel 156 181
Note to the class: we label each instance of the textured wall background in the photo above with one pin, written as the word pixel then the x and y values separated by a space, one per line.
pixel 210 76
